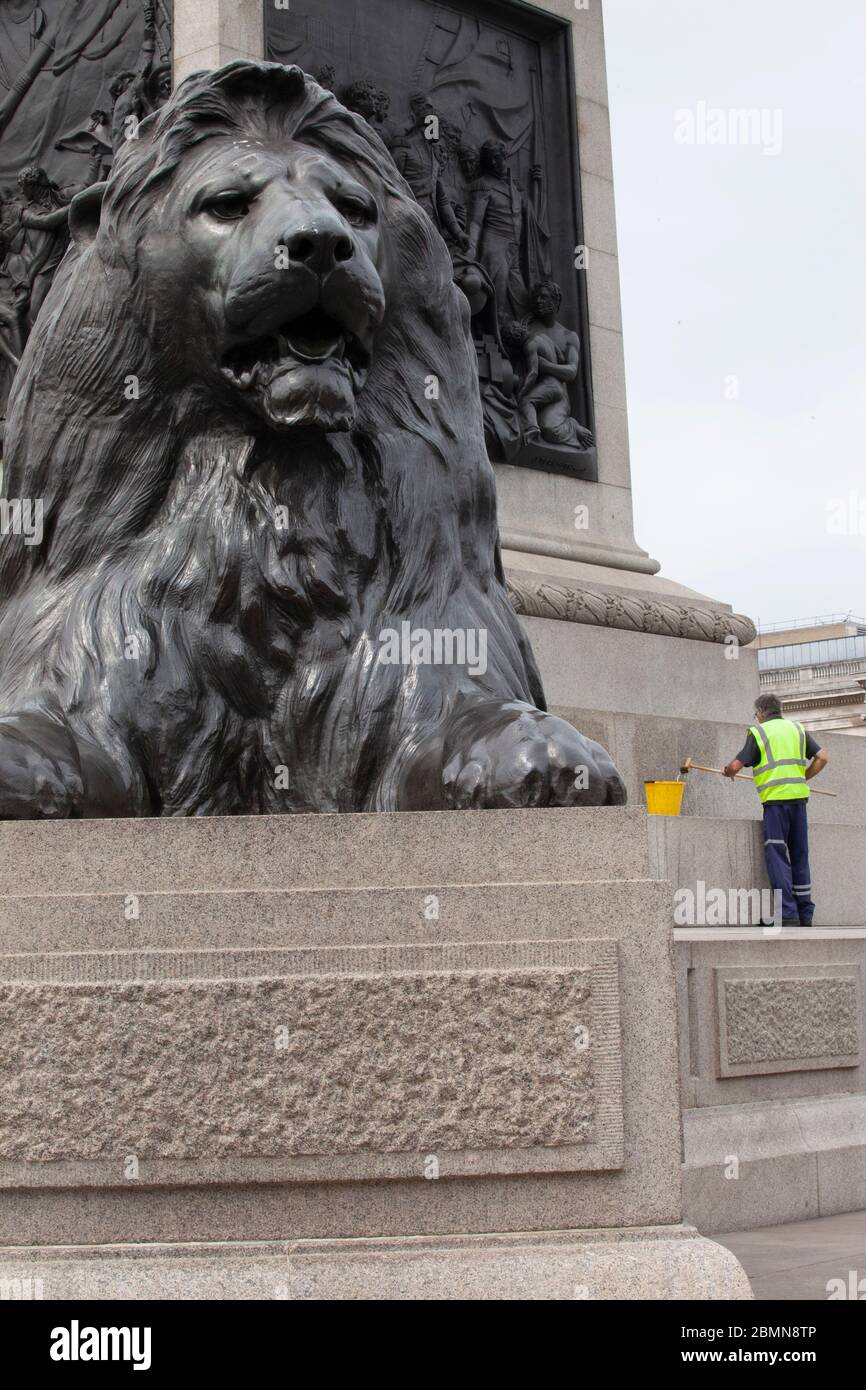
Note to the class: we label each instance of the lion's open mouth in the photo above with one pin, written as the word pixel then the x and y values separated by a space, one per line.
pixel 313 339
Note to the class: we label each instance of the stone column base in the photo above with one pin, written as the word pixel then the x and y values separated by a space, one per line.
pixel 645 1262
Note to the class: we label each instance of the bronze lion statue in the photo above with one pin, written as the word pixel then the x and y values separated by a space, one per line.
pixel 249 413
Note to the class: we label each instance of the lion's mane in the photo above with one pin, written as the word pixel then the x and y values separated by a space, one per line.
pixel 169 616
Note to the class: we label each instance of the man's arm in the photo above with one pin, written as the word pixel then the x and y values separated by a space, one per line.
pixel 478 200
pixel 148 47
pixel 557 370
pixel 45 221
pixel 818 763
pixel 818 758
pixel 748 756
pixel 530 354
pixel 448 217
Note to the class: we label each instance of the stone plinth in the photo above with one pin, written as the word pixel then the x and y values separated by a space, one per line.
pixel 773 1074
pixel 373 1040
pixel 728 854
pixel 561 1266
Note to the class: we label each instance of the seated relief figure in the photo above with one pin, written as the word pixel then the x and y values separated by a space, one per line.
pixel 552 357
pixel 269 577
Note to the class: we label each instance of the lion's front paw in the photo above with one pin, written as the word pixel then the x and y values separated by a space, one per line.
pixel 514 755
pixel 36 783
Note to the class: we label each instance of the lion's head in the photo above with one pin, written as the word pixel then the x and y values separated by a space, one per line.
pixel 264 250
pixel 254 266
pixel 259 222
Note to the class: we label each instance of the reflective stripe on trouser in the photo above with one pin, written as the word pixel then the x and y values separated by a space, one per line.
pixel 786 849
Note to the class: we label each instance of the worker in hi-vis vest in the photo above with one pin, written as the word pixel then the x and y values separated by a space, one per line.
pixel 784 758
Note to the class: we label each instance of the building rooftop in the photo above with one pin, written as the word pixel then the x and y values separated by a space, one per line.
pixel 817 666
pixel 827 620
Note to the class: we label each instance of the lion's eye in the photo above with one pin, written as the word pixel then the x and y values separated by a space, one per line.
pixel 229 207
pixel 358 214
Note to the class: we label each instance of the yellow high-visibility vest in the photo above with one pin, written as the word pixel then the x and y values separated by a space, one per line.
pixel 781 772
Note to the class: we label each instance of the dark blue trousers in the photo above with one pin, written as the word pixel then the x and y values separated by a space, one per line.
pixel 786 847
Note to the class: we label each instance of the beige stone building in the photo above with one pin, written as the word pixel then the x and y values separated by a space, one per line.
pixel 817 667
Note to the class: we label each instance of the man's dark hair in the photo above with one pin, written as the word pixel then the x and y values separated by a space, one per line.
pixel 550 286
pixel 770 705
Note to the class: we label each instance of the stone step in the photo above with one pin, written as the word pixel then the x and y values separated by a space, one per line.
pixel 264 919
pixel 310 851
pixel 728 934
pixel 661 1262
pixel 818 1142
pixel 729 854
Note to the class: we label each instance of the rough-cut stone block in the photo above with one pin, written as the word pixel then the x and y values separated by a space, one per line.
pixel 787 1019
pixel 368 1061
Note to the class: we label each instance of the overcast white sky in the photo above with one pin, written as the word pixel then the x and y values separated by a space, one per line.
pixel 738 264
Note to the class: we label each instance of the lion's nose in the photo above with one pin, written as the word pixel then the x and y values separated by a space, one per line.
pixel 319 247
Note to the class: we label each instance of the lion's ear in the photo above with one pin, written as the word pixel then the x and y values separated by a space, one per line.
pixel 84 211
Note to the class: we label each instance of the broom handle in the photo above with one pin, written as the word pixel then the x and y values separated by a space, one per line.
pixel 697 767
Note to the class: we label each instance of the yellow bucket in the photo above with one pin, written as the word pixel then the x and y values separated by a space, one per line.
pixel 664 798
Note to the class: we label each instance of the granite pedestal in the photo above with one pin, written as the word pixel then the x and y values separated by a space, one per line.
pixel 414 1056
